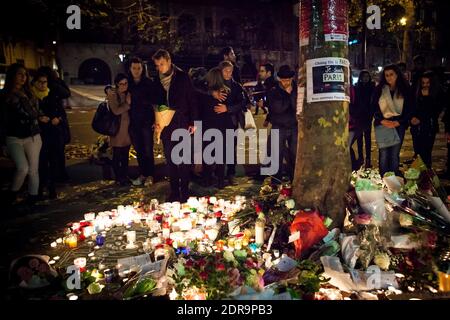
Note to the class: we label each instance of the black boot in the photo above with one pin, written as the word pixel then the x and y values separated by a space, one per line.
pixel 52 193
pixel 11 197
pixel 32 199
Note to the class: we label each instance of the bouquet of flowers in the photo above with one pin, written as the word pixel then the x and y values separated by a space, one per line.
pixel 32 272
pixel 371 198
pixel 215 276
pixel 163 117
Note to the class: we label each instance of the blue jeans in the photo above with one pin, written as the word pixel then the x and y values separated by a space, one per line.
pixel 389 158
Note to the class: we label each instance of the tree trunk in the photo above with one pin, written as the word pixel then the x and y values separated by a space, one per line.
pixel 407 53
pixel 322 171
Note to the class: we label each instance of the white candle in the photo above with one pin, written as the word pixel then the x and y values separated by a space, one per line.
pixel 59 240
pixel 53 245
pixel 80 262
pixel 72 296
pixel 131 236
pixel 88 231
pixel 89 216
pixel 212 233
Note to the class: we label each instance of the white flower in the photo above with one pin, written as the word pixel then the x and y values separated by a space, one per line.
pixel 382 260
pixel 293 212
pixel 290 204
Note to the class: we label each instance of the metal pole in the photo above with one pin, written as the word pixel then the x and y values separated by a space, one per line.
pixel 364 35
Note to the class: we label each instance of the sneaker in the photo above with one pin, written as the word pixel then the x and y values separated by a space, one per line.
pixel 138 181
pixel 148 181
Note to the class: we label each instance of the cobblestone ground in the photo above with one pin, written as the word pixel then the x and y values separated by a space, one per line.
pixel 26 231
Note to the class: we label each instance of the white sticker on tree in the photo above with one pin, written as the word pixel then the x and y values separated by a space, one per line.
pixel 327 79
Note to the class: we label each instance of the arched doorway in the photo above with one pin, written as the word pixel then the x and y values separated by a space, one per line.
pixel 94 71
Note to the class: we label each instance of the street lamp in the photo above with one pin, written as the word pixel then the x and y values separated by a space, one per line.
pixel 403 21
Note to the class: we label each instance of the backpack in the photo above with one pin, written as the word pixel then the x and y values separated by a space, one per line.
pixel 105 122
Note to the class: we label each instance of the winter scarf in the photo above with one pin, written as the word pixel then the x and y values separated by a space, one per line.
pixel 38 93
pixel 390 106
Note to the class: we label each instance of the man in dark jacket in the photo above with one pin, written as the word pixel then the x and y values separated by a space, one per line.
pixel 229 55
pixel 237 104
pixel 175 90
pixel 142 119
pixel 265 84
pixel 282 102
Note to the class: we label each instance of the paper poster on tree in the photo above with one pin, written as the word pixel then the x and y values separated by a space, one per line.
pixel 328 79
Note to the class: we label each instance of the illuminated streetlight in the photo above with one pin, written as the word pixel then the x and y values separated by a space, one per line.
pixel 403 21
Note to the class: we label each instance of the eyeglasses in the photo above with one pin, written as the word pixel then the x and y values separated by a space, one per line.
pixel 123 83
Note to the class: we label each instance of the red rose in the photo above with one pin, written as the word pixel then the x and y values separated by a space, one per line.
pixel 258 208
pixel 249 263
pixel 201 262
pixel 158 217
pixel 25 273
pixel 33 263
pixel 203 275
pixel 220 267
pixel 169 241
pixel 43 268
pixel 218 214
pixel 189 263
pixel 286 191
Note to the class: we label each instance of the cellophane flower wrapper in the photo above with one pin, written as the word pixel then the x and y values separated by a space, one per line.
pixel 371 199
pixel 162 120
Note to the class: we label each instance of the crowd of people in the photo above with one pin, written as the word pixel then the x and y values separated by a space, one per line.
pixel 35 126
pixel 34 130
pixel 400 100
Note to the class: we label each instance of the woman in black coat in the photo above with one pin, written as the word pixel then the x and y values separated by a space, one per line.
pixel 429 105
pixel 212 118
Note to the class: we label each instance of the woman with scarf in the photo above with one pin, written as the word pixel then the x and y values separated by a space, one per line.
pixel 20 131
pixel 425 118
pixel 119 101
pixel 52 133
pixel 393 103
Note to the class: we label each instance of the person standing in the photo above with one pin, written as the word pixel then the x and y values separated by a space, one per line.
pixel 229 55
pixel 393 103
pixel 361 118
pixel 282 104
pixel 213 119
pixel 119 101
pixel 175 90
pixel 142 120
pixel 425 120
pixel 52 135
pixel 236 105
pixel 20 131
pixel 265 84
pixel 58 93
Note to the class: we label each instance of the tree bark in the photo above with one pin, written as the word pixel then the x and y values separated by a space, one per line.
pixel 322 172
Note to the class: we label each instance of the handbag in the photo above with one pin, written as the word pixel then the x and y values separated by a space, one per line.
pixel 249 121
pixel 386 137
pixel 105 122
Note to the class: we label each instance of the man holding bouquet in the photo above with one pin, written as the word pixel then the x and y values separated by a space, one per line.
pixel 177 104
